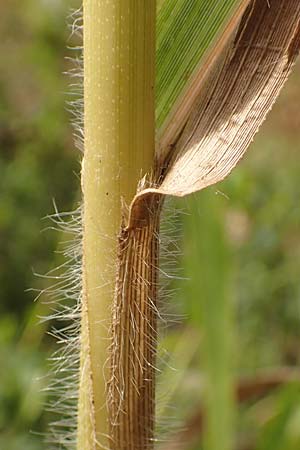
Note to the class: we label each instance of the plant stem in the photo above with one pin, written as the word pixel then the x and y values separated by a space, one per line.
pixel 119 52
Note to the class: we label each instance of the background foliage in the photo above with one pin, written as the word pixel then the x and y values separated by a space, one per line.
pixel 252 220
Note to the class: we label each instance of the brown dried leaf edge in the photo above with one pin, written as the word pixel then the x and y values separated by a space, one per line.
pixel 232 105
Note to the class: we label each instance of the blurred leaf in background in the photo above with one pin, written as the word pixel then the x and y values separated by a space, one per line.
pixel 38 165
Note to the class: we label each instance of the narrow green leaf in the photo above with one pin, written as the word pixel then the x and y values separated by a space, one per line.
pixel 210 305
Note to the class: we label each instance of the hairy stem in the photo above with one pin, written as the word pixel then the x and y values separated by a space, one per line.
pixel 119 48
pixel 133 356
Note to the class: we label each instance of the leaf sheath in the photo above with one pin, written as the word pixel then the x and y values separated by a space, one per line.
pixel 131 389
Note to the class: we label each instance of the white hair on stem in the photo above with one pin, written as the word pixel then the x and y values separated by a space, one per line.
pixel 65 296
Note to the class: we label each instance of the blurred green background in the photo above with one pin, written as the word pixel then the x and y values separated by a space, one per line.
pixel 238 268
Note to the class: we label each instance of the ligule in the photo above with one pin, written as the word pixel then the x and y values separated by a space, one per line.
pixel 131 389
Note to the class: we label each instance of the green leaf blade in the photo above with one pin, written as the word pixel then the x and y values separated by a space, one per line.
pixel 186 31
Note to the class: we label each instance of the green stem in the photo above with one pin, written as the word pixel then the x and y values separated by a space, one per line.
pixel 119 50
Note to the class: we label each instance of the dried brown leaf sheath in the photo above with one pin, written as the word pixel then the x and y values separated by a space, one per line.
pixel 232 105
pixel 131 390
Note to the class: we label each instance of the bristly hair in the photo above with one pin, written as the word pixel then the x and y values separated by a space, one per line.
pixel 64 299
pixel 75 74
pixel 64 296
pixel 65 293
